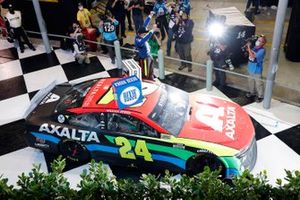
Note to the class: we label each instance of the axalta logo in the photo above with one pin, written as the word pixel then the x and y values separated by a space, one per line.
pixel 130 95
pixel 74 134
pixel 212 117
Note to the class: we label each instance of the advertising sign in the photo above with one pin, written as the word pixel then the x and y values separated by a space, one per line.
pixel 128 91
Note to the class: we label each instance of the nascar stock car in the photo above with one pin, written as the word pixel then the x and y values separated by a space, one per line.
pixel 169 129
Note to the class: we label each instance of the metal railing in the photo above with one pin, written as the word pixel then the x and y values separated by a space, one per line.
pixel 208 67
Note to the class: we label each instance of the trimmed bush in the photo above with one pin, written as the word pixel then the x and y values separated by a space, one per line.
pixel 98 183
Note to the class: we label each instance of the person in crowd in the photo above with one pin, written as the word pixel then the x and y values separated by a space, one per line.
pixel 80 53
pixel 128 14
pixel 84 17
pixel 218 54
pixel 161 10
pixel 143 48
pixel 137 7
pixel 155 45
pixel 107 27
pixel 185 6
pixel 119 12
pixel 183 30
pixel 13 19
pixel 255 68
pixel 254 3
pixel 74 30
pixel 173 14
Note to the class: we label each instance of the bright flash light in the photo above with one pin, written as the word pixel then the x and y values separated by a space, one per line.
pixel 216 29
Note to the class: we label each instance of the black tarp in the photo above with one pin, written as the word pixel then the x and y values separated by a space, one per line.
pixel 238 28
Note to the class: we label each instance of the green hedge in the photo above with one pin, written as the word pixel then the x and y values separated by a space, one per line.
pixel 98 183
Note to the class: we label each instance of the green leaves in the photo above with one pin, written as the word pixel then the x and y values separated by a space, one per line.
pixel 98 183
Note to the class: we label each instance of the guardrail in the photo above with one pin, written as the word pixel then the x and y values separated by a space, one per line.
pixel 208 67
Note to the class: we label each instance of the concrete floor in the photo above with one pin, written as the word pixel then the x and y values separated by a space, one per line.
pixel 287 79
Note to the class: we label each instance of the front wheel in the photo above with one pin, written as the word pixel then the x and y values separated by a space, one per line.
pixel 74 151
pixel 197 164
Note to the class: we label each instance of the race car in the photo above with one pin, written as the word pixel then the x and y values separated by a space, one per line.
pixel 168 129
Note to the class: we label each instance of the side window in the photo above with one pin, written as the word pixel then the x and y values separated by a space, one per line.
pixel 123 123
pixel 148 130
pixel 93 120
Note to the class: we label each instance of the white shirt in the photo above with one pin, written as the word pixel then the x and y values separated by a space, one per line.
pixel 127 2
pixel 77 50
pixel 15 20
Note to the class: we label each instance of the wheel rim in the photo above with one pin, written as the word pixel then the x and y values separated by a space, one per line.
pixel 74 151
pixel 199 163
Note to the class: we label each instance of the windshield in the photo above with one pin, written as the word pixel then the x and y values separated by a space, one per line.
pixel 171 109
pixel 74 97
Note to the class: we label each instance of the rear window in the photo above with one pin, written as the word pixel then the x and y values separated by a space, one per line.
pixel 75 96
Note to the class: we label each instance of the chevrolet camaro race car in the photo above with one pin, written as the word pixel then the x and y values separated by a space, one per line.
pixel 169 129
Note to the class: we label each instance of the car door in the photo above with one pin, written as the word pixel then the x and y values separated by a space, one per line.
pixel 130 137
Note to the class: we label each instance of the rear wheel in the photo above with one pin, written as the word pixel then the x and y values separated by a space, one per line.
pixel 197 164
pixel 74 151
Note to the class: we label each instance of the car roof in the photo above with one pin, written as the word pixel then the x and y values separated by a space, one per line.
pixel 101 96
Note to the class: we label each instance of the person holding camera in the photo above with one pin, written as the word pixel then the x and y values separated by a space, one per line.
pixel 183 30
pixel 143 48
pixel 218 54
pixel 107 27
pixel 13 20
pixel 255 68
pixel 79 52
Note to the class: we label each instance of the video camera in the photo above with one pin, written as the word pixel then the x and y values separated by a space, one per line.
pixel 250 40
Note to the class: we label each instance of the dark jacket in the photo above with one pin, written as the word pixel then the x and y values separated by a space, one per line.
pixel 184 31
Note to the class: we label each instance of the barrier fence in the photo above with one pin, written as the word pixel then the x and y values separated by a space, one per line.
pixel 282 91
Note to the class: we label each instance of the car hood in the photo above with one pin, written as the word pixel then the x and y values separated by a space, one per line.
pixel 218 120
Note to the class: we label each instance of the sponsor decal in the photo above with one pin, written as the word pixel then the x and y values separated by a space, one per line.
pixel 128 92
pixel 74 134
pixel 61 118
pixel 51 97
pixel 41 143
pixel 218 118
pixel 230 122
pixel 93 92
pixel 179 146
pixel 130 95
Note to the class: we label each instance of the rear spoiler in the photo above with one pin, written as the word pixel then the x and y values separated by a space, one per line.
pixel 38 97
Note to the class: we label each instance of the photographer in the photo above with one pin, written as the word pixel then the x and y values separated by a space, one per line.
pixel 218 54
pixel 255 68
pixel 107 27
pixel 183 30
pixel 80 53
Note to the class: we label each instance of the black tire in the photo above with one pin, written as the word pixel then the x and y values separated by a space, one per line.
pixel 197 164
pixel 74 151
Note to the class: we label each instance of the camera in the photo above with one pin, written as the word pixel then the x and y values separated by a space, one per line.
pixel 250 40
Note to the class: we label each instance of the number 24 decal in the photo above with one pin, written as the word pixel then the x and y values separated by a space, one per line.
pixel 140 149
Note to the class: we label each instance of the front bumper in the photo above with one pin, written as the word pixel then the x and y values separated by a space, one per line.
pixel 248 156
